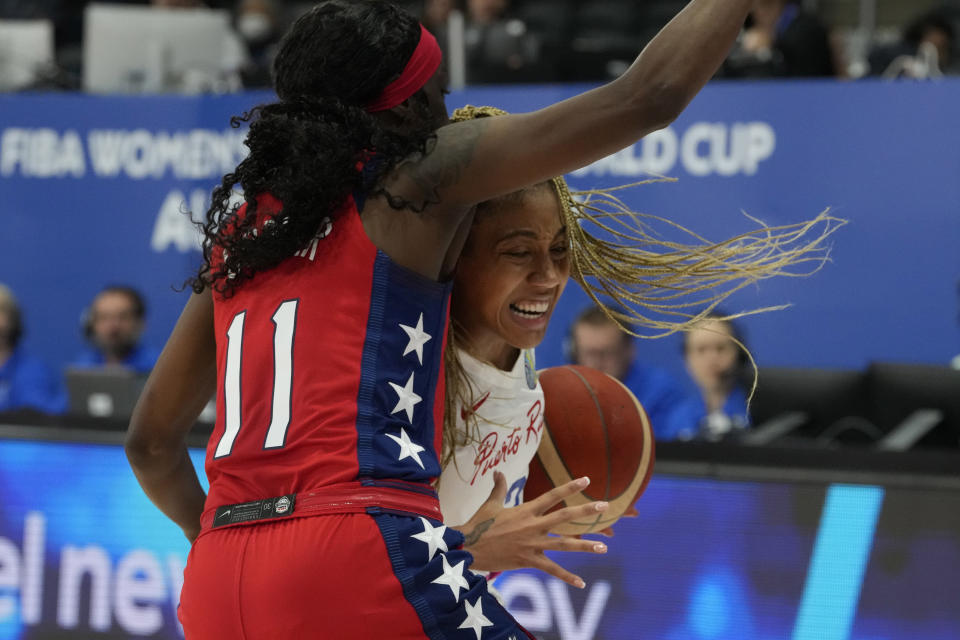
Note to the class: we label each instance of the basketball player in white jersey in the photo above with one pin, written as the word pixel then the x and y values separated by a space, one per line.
pixel 511 272
pixel 510 275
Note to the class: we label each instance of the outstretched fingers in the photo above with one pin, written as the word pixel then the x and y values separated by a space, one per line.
pixel 547 565
pixel 570 514
pixel 555 496
pixel 568 543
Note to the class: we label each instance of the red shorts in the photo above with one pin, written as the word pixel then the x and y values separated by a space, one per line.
pixel 341 576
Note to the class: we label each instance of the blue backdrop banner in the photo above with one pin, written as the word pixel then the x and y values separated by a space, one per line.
pixel 94 188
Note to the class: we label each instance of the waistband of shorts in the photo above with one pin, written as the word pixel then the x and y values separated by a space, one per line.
pixel 361 496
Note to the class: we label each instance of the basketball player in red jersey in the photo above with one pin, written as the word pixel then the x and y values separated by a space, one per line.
pixel 318 320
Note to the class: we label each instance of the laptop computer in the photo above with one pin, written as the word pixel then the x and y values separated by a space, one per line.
pixel 103 393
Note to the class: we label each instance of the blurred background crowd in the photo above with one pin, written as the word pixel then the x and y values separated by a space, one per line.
pixel 532 41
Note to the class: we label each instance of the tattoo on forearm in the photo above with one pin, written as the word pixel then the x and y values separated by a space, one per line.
pixel 479 530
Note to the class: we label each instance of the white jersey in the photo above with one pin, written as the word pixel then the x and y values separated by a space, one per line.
pixel 509 424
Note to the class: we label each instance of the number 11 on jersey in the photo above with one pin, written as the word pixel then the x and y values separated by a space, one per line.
pixel 284 327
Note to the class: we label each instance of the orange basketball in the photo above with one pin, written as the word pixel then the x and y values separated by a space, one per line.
pixel 593 426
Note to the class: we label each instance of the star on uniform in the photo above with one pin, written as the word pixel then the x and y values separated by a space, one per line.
pixel 433 537
pixel 475 619
pixel 406 398
pixel 453 577
pixel 408 448
pixel 418 338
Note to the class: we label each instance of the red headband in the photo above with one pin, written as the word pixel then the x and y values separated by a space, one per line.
pixel 420 67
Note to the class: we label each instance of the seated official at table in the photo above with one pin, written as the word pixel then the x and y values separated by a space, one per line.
pixel 25 381
pixel 721 371
pixel 113 326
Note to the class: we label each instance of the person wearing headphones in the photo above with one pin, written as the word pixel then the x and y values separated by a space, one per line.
pixel 25 381
pixel 113 326
pixel 718 364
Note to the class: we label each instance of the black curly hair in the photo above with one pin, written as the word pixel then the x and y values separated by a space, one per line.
pixel 306 148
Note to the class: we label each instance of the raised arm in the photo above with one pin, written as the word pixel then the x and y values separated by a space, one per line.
pixel 182 382
pixel 480 159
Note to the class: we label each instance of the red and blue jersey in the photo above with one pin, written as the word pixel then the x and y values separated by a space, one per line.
pixel 330 402
pixel 330 380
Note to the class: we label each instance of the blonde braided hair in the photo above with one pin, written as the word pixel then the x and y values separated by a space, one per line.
pixel 650 286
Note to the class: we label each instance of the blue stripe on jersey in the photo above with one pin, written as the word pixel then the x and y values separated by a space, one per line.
pixel 395 425
pixel 406 575
pixel 368 366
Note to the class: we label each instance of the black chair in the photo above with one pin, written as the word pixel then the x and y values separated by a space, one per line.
pixel 915 405
pixel 793 405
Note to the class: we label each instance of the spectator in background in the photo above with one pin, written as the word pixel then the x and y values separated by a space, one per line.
pixel 485 20
pixel 720 369
pixel 25 382
pixel 499 48
pixel 486 12
pixel 781 40
pixel 258 25
pixel 113 325
pixel 435 15
pixel 924 51
pixel 596 341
